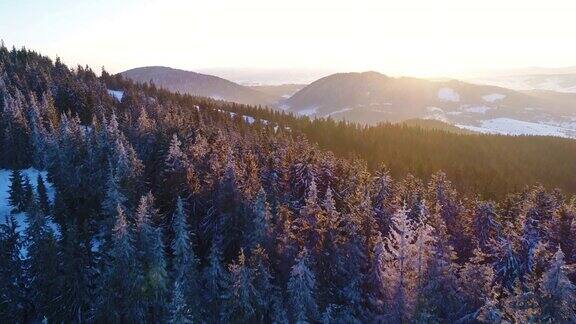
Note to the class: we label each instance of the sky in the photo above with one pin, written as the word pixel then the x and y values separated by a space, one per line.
pixel 409 37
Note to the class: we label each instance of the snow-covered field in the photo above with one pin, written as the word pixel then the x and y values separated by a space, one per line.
pixel 5 208
pixel 509 126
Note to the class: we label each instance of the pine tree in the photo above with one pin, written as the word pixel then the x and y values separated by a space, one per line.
pixel 12 281
pixel 118 291
pixel 260 228
pixel 215 279
pixel 150 250
pixel 399 271
pixel 42 263
pixel 28 197
pixel 76 277
pixel 477 279
pixel 42 194
pixel 179 309
pixel 557 292
pixel 301 290
pixel 241 299
pixel 185 266
pixel 265 291
pixel 16 192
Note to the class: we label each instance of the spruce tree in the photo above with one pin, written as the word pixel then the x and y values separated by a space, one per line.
pixel 42 263
pixel 186 276
pixel 241 299
pixel 118 292
pixel 215 279
pixel 557 292
pixel 12 281
pixel 42 194
pixel 151 254
pixel 16 191
pixel 302 290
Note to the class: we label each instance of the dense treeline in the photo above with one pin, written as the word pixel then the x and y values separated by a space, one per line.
pixel 168 210
pixel 489 165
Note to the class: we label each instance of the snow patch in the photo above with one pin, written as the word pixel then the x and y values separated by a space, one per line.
pixel 493 97
pixel 249 120
pixel 509 126
pixel 477 109
pixel 448 94
pixel 338 111
pixel 116 94
pixel 308 112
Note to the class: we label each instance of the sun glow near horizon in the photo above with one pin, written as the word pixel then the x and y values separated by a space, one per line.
pixel 419 38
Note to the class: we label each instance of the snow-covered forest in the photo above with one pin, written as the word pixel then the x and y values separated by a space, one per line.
pixel 157 207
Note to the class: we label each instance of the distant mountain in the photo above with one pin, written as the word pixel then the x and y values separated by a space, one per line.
pixel 199 84
pixel 371 97
pixel 565 82
pixel 283 91
pixel 263 76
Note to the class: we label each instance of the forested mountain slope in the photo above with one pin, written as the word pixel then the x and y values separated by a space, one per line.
pixel 488 165
pixel 371 98
pixel 170 208
pixel 200 85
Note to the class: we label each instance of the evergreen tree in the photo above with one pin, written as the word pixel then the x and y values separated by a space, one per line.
pixel 215 279
pixel 12 281
pixel 42 194
pixel 76 277
pixel 557 292
pixel 16 192
pixel 151 254
pixel 119 291
pixel 399 271
pixel 301 290
pixel 185 266
pixel 241 299
pixel 28 197
pixel 42 264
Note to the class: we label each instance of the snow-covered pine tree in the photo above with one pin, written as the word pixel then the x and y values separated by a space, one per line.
pixel 557 292
pixel 150 250
pixel 180 312
pixel 399 271
pixel 12 281
pixel 215 279
pixel 241 298
pixel 477 280
pixel 302 290
pixel 260 227
pixel 42 263
pixel 77 273
pixel 185 276
pixel 118 294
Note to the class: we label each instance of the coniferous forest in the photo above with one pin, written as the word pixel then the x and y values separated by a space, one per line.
pixel 172 208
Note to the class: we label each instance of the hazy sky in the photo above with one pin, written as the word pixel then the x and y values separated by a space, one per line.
pixel 422 38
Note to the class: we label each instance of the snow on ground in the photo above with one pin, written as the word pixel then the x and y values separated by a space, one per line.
pixel 476 109
pixel 5 207
pixel 493 97
pixel 118 95
pixel 338 111
pixel 448 94
pixel 308 112
pixel 249 120
pixel 509 126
